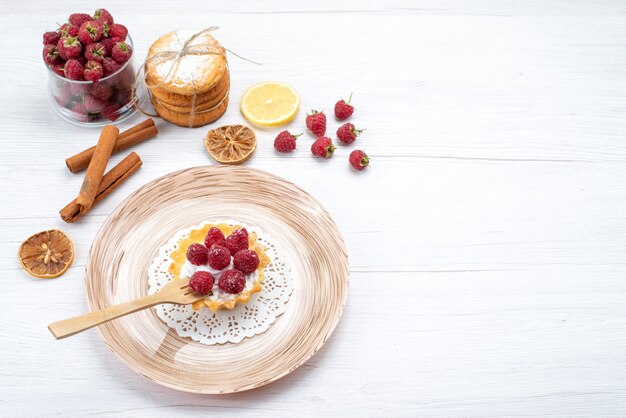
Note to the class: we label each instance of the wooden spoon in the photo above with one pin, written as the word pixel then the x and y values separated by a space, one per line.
pixel 177 291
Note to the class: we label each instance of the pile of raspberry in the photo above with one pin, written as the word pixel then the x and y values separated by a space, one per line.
pixel 217 252
pixel 323 146
pixel 90 48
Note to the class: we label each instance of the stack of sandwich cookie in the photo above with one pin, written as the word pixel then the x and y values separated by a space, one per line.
pixel 189 85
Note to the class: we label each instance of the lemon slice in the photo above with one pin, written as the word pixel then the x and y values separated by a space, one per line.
pixel 270 103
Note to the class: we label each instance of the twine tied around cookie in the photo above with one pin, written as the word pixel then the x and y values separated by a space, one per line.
pixel 176 56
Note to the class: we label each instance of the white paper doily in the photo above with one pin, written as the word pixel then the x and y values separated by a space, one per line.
pixel 224 326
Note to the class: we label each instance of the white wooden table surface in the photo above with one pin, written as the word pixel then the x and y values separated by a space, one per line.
pixel 487 240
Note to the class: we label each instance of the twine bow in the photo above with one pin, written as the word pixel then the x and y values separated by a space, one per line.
pixel 176 57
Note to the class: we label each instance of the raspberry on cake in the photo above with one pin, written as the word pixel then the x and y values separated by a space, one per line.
pixel 235 275
pixel 202 282
pixel 237 241
pixel 197 254
pixel 214 236
pixel 246 261
pixel 219 257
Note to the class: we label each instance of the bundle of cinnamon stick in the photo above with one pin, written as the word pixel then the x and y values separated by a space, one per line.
pixel 97 185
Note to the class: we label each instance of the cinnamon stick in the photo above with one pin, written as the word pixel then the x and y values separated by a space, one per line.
pixel 111 180
pixel 132 136
pixel 98 164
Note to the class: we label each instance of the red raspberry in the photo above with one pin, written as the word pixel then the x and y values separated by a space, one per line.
pixel 214 236
pixel 347 133
pixel 121 52
pixel 78 19
pixel 51 38
pixel 197 254
pixel 78 89
pixel 285 142
pixel 69 47
pixel 101 15
pixel 359 159
pixel 51 55
pixel 100 91
pixel 110 66
pixel 93 71
pixel 232 281
pixel 111 111
pixel 58 68
pixel 95 52
pixel 323 147
pixel 316 122
pixel 246 261
pixel 90 32
pixel 79 112
pixel 219 257
pixel 64 96
pixel 118 31
pixel 202 282
pixel 93 105
pixel 344 110
pixel 73 70
pixel 108 44
pixel 237 241
pixel 68 30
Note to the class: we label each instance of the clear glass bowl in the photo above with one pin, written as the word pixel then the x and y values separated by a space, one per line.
pixel 86 103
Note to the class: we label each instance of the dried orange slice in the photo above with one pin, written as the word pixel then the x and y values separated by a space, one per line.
pixel 230 144
pixel 47 254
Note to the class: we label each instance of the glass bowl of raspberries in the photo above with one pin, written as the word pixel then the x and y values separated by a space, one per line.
pixel 90 68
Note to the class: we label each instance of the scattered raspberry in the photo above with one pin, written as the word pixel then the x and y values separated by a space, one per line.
pixel 101 15
pixel 93 71
pixel 73 70
pixel 197 254
pixel 347 133
pixel 51 38
pixel 77 19
pixel 100 91
pixel 214 236
pixel 219 257
pixel 69 47
pixel 344 110
pixel 108 44
pixel 285 142
pixel 110 66
pixel 95 52
pixel 237 241
pixel 316 122
pixel 202 282
pixel 90 32
pixel 232 281
pixel 323 147
pixel 93 105
pixel 246 261
pixel 121 52
pixel 118 31
pixel 111 111
pixel 68 30
pixel 359 159
pixel 51 55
